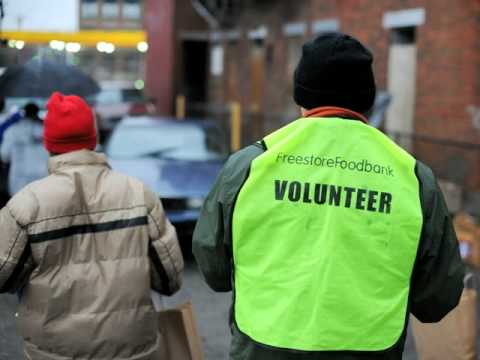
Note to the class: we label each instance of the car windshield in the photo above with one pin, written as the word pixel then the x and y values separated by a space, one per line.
pixel 166 141
pixel 117 96
pixel 20 102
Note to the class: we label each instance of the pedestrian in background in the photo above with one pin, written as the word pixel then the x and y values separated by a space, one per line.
pixel 22 148
pixel 328 233
pixel 8 119
pixel 86 244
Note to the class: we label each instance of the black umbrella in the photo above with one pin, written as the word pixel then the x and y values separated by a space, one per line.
pixel 40 78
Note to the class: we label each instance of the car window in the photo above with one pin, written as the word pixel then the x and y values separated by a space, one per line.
pixel 109 97
pixel 22 101
pixel 169 141
pixel 132 95
pixel 216 140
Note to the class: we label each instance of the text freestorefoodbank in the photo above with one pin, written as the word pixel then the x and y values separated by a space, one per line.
pixel 338 162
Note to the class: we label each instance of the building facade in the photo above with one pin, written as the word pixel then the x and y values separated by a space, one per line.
pixel 103 37
pixel 427 56
pixel 171 61
pixel 124 17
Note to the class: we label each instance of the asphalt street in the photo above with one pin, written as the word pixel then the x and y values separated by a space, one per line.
pixel 211 311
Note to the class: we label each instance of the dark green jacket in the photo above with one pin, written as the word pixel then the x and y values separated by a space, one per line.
pixel 437 279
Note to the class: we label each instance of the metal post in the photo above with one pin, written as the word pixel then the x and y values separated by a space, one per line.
pixel 180 107
pixel 235 126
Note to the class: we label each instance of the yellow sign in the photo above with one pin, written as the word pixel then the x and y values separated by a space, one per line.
pixel 125 39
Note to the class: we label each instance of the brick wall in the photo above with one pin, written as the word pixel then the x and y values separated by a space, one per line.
pixel 159 67
pixel 164 20
pixel 448 65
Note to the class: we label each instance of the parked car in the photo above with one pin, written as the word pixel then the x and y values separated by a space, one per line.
pixel 114 101
pixel 179 160
pixel 12 104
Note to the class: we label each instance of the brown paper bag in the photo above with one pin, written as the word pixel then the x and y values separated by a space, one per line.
pixel 179 335
pixel 468 234
pixel 453 338
pixel 469 247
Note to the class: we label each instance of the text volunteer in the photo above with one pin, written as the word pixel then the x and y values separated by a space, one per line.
pixel 320 194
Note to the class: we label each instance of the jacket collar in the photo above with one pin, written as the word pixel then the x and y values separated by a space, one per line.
pixel 333 111
pixel 76 158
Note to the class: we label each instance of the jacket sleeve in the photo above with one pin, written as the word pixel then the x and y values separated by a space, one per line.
pixel 166 260
pixel 437 281
pixel 208 242
pixel 6 146
pixel 212 243
pixel 15 254
pixel 11 120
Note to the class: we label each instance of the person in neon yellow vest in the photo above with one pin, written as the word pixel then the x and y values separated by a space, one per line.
pixel 328 233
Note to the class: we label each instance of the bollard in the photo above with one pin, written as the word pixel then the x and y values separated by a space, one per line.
pixel 180 107
pixel 235 126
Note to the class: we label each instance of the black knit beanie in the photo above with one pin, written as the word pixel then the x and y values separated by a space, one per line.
pixel 335 70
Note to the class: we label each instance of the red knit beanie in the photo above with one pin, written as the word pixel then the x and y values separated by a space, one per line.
pixel 69 125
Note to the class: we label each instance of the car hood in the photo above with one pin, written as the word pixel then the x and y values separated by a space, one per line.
pixel 172 178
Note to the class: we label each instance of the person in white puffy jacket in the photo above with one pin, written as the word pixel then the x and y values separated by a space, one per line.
pixel 22 148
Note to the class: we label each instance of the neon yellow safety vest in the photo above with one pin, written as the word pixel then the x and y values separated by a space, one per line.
pixel 325 234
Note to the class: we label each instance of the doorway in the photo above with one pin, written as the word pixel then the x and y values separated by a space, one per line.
pixel 401 83
pixel 195 56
